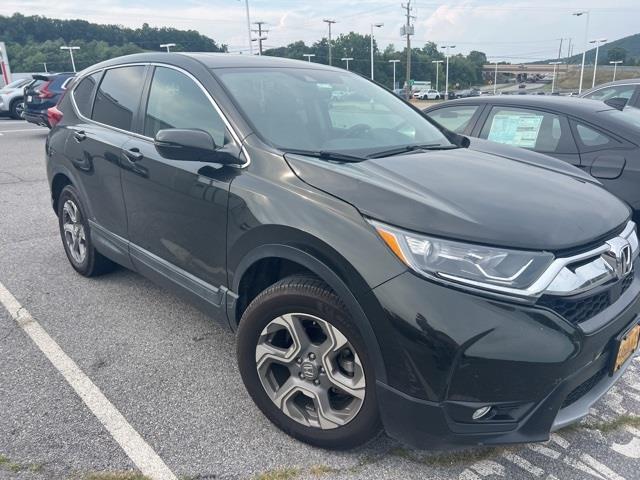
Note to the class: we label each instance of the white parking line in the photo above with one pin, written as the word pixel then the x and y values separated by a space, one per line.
pixel 139 451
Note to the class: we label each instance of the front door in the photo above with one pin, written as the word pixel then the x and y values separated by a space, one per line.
pixel 176 209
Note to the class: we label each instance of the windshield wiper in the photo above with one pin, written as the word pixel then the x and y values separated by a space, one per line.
pixel 410 148
pixel 327 155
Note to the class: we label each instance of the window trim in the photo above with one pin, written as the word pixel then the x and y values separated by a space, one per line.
pixel 234 134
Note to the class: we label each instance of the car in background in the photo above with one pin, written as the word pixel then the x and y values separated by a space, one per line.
pixel 43 93
pixel 427 95
pixel 598 138
pixel 467 93
pixel 628 89
pixel 12 98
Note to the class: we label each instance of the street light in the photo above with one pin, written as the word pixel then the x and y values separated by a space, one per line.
pixel 584 52
pixel 394 72
pixel 347 59
pixel 446 88
pixel 329 22
pixel 167 46
pixel 495 79
pixel 553 82
pixel 377 25
pixel 597 41
pixel 309 55
pixel 246 4
pixel 71 49
pixel 615 67
pixel 437 62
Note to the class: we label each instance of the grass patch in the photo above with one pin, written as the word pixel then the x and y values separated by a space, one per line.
pixel 4 460
pixel 447 459
pixel 319 470
pixel 114 476
pixel 36 467
pixel 279 474
pixel 610 426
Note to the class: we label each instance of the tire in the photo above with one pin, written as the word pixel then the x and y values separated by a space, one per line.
pixel 74 232
pixel 16 109
pixel 308 302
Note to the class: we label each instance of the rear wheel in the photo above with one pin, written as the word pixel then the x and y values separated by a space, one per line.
pixel 305 365
pixel 16 109
pixel 76 236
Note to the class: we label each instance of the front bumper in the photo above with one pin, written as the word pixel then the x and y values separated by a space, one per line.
pixel 449 352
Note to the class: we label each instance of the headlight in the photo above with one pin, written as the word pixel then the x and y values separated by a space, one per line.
pixel 463 262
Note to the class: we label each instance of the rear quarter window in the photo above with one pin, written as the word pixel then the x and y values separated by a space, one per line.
pixel 83 94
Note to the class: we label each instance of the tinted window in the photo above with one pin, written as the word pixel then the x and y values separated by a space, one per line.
pixel 118 96
pixel 308 109
pixel 83 93
pixel 175 101
pixel 591 137
pixel 614 91
pixel 533 129
pixel 454 118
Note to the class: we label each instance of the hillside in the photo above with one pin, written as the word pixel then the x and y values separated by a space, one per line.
pixel 626 49
pixel 34 40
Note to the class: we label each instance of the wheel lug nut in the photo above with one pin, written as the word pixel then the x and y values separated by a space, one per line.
pixel 312 356
pixel 316 382
pixel 321 369
pixel 298 360
pixel 301 375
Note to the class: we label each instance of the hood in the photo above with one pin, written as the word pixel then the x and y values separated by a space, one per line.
pixel 472 196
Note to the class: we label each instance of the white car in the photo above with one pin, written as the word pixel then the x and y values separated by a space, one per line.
pixel 12 98
pixel 427 95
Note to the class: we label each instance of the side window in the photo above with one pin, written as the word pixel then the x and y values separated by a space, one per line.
pixel 592 138
pixel 614 91
pixel 454 118
pixel 118 96
pixel 533 129
pixel 83 93
pixel 175 101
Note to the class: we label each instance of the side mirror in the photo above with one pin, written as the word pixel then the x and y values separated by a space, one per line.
pixel 617 103
pixel 186 144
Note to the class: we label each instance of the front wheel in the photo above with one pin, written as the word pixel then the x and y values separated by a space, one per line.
pixel 305 365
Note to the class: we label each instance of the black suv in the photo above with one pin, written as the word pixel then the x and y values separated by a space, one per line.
pixel 378 271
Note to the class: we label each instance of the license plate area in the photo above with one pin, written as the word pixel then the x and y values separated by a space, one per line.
pixel 29 98
pixel 627 344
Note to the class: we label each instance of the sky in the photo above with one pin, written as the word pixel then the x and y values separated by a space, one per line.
pixel 515 31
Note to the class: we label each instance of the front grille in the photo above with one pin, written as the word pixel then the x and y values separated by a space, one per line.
pixel 582 308
pixel 584 388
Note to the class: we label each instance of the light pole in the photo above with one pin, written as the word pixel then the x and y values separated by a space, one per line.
pixel 597 41
pixel 584 52
pixel 446 81
pixel 615 67
pixel 377 25
pixel 246 4
pixel 437 62
pixel 495 79
pixel 347 59
pixel 71 49
pixel 329 22
pixel 553 82
pixel 47 71
pixel 309 55
pixel 167 46
pixel 394 71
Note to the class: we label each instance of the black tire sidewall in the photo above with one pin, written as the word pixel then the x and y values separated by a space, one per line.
pixel 13 109
pixel 86 267
pixel 359 430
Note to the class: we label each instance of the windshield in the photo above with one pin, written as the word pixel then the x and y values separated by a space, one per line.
pixel 320 110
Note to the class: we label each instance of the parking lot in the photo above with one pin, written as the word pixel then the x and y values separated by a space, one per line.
pixel 171 374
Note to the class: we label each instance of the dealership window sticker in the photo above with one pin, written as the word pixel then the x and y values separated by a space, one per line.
pixel 520 129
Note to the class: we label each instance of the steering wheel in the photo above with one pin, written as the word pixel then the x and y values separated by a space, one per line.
pixel 357 130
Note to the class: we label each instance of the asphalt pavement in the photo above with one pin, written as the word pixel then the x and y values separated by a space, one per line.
pixel 171 374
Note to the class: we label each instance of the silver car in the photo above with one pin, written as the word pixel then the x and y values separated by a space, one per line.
pixel 12 98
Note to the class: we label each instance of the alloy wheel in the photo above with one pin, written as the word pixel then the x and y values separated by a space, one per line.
pixel 310 371
pixel 74 234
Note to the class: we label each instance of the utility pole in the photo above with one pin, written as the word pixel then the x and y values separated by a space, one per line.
pixel 246 4
pixel 495 79
pixel 260 31
pixel 560 49
pixel 407 30
pixel 569 50
pixel 394 72
pixel 329 22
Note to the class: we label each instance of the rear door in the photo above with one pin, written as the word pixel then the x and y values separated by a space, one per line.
pixel 537 130
pixel 107 105
pixel 176 209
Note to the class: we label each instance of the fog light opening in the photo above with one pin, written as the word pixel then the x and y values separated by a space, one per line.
pixel 481 412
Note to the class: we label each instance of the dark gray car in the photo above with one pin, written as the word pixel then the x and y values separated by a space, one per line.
pixel 589 134
pixel 628 89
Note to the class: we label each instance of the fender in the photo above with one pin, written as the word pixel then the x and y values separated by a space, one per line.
pixel 326 274
pixel 62 169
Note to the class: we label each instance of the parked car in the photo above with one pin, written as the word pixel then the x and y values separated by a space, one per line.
pixel 43 93
pixel 427 95
pixel 593 136
pixel 378 272
pixel 628 89
pixel 12 98
pixel 469 92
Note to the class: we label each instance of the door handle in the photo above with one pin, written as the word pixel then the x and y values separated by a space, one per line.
pixel 79 136
pixel 134 154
